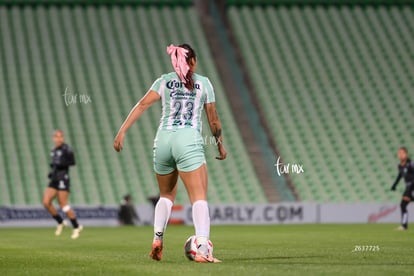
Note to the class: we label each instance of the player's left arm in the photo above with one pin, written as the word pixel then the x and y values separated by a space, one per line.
pixel 70 157
pixel 67 159
pixel 136 112
pixel 215 127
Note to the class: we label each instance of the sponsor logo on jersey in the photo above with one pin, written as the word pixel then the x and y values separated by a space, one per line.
pixel 178 84
pixel 182 94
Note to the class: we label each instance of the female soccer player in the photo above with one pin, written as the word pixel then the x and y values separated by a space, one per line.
pixel 178 145
pixel 406 170
pixel 59 185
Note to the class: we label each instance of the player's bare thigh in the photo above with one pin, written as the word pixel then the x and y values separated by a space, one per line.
pixel 49 195
pixel 167 184
pixel 63 198
pixel 196 183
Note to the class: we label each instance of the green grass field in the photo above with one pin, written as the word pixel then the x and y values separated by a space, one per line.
pixel 244 250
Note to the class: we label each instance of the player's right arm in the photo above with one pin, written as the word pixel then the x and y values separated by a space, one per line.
pixel 215 127
pixel 136 112
pixel 394 186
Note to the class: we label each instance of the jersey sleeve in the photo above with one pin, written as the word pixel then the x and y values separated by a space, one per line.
pixel 70 157
pixel 158 86
pixel 397 179
pixel 67 158
pixel 210 97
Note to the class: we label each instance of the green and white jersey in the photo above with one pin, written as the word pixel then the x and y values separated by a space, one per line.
pixel 182 108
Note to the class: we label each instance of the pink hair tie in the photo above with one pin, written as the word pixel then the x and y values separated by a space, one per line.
pixel 178 60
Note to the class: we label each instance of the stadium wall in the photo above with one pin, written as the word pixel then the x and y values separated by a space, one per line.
pixel 191 2
pixel 316 2
pixel 97 2
pixel 221 214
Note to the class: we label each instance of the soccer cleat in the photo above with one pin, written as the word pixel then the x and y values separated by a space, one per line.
pixel 401 228
pixel 59 227
pixel 204 255
pixel 156 251
pixel 199 258
pixel 76 232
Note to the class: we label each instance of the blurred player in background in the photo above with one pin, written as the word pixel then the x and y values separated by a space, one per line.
pixel 406 170
pixel 59 184
pixel 178 146
pixel 126 213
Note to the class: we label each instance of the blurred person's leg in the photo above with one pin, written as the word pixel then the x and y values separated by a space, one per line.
pixel 63 197
pixel 48 196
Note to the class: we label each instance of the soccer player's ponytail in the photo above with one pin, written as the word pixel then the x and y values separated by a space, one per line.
pixel 181 56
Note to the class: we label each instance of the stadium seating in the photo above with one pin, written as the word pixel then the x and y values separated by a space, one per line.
pixel 334 83
pixel 109 55
pixel 336 87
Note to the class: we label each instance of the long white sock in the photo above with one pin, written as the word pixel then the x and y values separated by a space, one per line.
pixel 201 220
pixel 161 217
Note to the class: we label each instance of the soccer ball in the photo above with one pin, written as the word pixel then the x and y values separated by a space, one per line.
pixel 190 248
